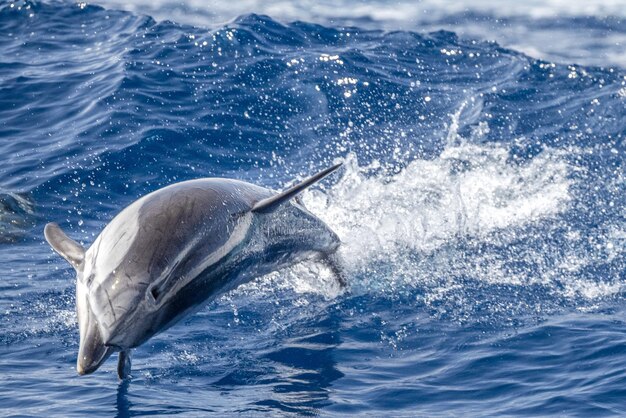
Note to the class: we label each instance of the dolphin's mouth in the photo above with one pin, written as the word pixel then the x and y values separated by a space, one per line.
pixel 89 366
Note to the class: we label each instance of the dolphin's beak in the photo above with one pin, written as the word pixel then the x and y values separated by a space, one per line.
pixel 92 351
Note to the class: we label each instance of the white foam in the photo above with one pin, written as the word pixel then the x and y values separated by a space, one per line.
pixel 469 191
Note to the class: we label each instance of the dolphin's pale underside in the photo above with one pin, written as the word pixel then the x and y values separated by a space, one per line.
pixel 177 248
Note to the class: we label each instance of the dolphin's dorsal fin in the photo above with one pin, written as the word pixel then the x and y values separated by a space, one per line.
pixel 271 203
pixel 67 248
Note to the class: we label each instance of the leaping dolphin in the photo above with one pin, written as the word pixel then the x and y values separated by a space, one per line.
pixel 177 248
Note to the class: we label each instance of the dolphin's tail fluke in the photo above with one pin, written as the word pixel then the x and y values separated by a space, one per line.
pixel 271 203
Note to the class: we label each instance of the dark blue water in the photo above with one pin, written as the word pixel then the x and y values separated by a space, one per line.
pixel 481 208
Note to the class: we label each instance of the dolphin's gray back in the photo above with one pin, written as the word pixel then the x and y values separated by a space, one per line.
pixel 168 232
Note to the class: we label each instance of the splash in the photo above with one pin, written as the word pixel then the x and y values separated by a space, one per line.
pixel 469 191
pixel 411 228
pixel 474 212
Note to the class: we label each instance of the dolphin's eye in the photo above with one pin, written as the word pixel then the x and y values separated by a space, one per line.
pixel 89 279
pixel 155 293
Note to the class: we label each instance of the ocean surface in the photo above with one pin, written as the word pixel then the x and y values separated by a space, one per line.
pixel 481 204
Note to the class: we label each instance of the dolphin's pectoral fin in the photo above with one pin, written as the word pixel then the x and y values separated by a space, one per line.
pixel 67 248
pixel 334 263
pixel 272 203
pixel 124 365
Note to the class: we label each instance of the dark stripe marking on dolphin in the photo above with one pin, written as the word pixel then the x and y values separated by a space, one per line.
pixel 177 248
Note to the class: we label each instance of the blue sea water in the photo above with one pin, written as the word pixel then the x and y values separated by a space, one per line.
pixel 481 209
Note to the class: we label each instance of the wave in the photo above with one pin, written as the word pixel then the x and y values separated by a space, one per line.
pixel 583 33
pixel 16 216
pixel 480 205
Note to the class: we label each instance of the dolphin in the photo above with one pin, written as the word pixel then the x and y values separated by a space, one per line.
pixel 172 251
